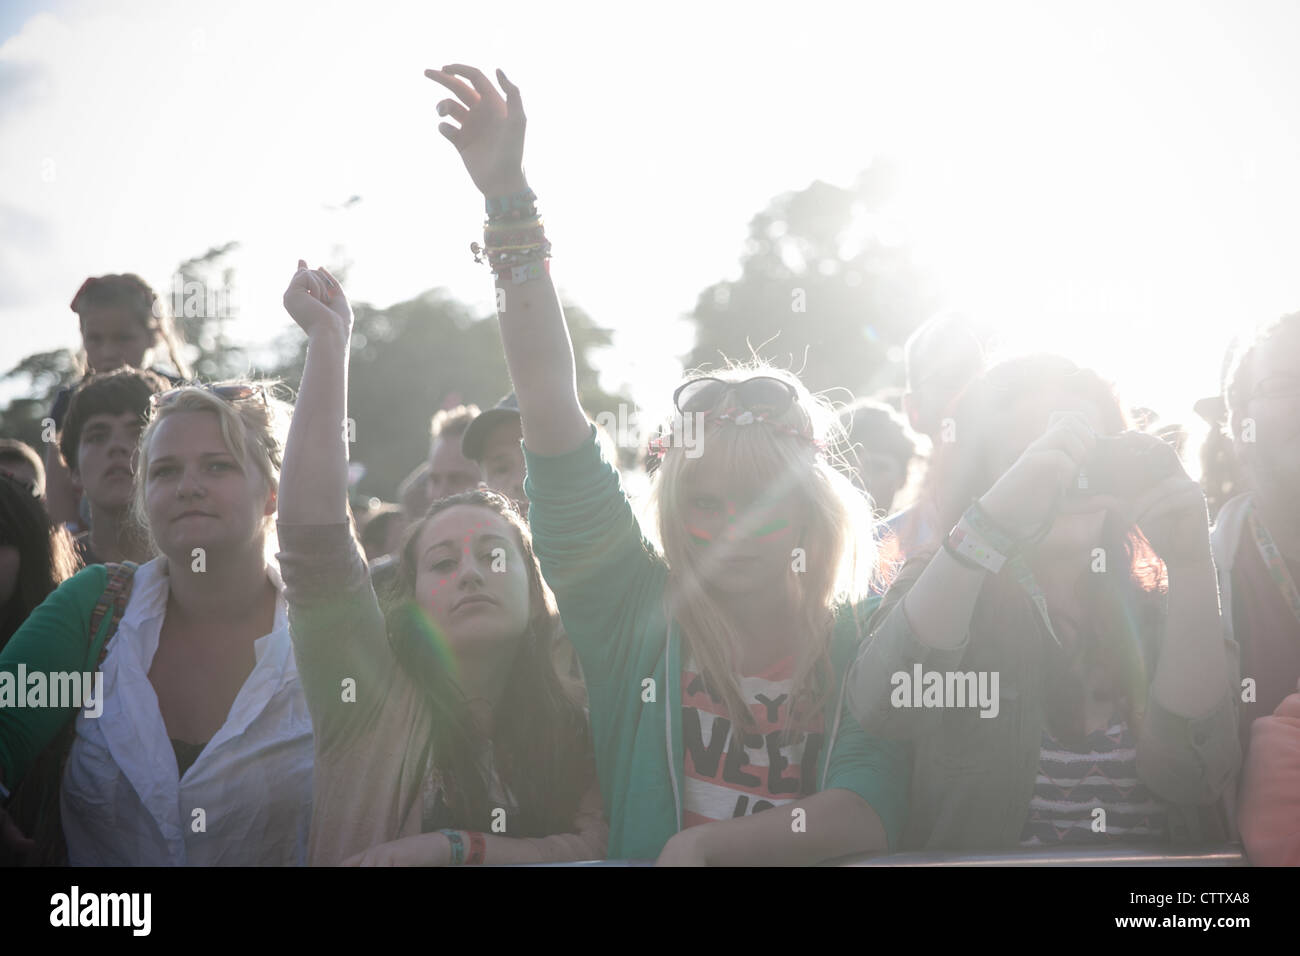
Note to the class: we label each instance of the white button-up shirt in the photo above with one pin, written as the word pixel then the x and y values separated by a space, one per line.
pixel 122 800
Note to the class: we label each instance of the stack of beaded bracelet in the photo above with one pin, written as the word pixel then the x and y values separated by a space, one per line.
pixel 514 242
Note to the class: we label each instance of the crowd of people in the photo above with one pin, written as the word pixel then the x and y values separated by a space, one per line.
pixel 815 640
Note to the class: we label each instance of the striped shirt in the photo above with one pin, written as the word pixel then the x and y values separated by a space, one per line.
pixel 1072 786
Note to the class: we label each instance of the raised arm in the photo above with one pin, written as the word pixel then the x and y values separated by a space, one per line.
pixel 337 628
pixel 314 477
pixel 538 351
pixel 930 624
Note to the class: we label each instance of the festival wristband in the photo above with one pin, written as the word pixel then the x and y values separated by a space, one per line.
pixel 457 846
pixel 980 522
pixel 477 848
pixel 972 551
pixel 529 270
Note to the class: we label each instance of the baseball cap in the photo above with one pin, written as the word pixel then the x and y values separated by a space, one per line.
pixel 471 443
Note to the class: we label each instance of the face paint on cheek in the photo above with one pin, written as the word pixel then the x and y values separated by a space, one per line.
pixel 771 530
pixel 698 534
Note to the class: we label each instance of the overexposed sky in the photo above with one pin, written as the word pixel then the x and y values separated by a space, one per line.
pixel 1114 180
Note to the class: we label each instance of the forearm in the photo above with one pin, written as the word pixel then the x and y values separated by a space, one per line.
pixel 834 823
pixel 939 606
pixel 539 355
pixel 1190 678
pixel 62 498
pixel 314 479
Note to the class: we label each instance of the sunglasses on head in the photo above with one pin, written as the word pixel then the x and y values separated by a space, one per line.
pixel 227 393
pixel 762 393
pixel 28 486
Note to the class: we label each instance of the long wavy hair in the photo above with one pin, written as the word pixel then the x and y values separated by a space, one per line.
pixel 539 736
pixel 838 548
pixel 1125 604
pixel 46 555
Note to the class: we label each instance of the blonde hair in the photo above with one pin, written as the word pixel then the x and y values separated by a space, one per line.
pixel 253 431
pixel 838 547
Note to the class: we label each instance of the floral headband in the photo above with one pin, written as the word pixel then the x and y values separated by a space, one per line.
pixel 658 446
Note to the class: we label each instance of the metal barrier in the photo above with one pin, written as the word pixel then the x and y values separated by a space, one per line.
pixel 1228 855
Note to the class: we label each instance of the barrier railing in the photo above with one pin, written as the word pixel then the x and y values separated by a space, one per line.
pixel 1229 855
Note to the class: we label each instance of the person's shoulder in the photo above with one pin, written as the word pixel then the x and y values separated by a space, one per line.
pixel 851 618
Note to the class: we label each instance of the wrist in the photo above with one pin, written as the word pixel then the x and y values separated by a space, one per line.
pixel 1001 514
pixel 439 849
pixel 507 186
pixel 326 337
pixel 703 840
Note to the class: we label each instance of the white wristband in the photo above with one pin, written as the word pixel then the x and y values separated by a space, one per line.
pixel 969 545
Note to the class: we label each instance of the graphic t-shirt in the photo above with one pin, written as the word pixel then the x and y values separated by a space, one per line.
pixel 731 774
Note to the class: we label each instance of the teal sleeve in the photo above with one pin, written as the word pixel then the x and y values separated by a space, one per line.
pixel 879 771
pixel 54 638
pixel 594 558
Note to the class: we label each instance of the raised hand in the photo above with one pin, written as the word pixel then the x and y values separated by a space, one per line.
pixel 1024 497
pixel 316 301
pixel 490 137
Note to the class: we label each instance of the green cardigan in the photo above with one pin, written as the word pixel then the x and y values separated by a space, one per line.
pixel 53 638
pixel 609 584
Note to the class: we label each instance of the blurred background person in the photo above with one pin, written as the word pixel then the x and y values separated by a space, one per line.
pixel 884 448
pixel 941 359
pixel 122 322
pixel 1222 475
pixel 35 556
pixel 1257 534
pixel 100 436
pixel 19 460
pixel 495 441
pixel 381 531
pixel 450 471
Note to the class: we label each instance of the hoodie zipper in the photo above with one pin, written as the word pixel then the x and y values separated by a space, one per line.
pixel 668 721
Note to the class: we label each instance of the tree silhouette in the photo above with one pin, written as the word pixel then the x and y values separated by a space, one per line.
pixel 820 291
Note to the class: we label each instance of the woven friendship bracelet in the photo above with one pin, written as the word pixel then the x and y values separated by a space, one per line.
pixel 510 206
pixel 457 846
pixel 477 848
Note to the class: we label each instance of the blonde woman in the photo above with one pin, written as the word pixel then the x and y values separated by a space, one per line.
pixel 202 751
pixel 715 669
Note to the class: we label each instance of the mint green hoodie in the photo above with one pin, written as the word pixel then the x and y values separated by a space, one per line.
pixel 609 584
